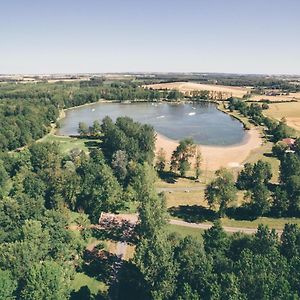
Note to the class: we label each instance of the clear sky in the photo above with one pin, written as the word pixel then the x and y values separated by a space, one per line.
pixel 62 36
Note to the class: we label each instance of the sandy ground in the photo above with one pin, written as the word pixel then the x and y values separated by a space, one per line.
pixel 191 86
pixel 215 157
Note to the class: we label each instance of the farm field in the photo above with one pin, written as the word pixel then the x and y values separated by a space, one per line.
pixel 186 87
pixel 235 91
pixel 290 111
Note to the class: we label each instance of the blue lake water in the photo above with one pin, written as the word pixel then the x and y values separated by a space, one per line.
pixel 202 121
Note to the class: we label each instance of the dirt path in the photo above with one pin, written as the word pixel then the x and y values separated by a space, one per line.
pixel 226 228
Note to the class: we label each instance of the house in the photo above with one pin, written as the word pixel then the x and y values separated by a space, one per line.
pixel 289 141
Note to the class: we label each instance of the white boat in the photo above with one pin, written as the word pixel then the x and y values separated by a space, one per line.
pixel 192 114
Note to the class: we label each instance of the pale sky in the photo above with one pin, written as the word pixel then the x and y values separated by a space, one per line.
pixel 75 36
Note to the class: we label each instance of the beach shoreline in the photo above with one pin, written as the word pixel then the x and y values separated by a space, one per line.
pixel 215 157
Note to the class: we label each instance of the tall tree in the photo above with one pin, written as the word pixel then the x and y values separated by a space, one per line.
pixel 47 281
pixel 181 155
pixel 198 162
pixel 160 160
pixel 221 190
pixel 8 285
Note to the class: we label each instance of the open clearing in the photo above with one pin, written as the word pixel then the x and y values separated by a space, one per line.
pixel 290 111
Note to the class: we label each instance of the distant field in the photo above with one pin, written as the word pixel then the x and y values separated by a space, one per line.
pixel 290 97
pixel 290 111
pixel 227 91
pixel 186 87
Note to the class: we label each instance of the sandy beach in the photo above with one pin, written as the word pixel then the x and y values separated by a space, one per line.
pixel 214 157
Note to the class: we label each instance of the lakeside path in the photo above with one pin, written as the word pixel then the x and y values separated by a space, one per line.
pixel 214 157
pixel 226 228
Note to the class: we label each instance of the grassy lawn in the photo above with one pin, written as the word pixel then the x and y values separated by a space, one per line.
pixel 66 143
pixel 276 223
pixel 183 198
pixel 185 231
pixel 94 285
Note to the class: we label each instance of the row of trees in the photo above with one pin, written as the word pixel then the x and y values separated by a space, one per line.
pixel 278 130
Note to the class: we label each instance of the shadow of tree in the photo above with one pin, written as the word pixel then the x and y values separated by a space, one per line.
pixel 244 212
pixel 101 265
pixel 92 144
pixel 118 233
pixel 193 213
pixel 130 284
pixel 168 176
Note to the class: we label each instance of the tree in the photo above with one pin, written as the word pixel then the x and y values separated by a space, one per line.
pixel 260 200
pixel 279 149
pixel 160 160
pixel 254 174
pixel 154 259
pixel 280 203
pixel 152 207
pixel 265 241
pixel 180 157
pixel 83 129
pixel 8 285
pixel 221 190
pixel 3 176
pixel 47 281
pixel 215 239
pixel 119 164
pixel 297 146
pixel 230 287
pixel 290 241
pixel 197 163
pixel 95 130
pixel 195 271
pixel 100 190
pixel 263 276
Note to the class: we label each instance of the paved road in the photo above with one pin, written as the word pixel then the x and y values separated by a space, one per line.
pixel 226 228
pixel 180 189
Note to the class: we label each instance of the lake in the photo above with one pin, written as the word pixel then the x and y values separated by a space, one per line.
pixel 202 121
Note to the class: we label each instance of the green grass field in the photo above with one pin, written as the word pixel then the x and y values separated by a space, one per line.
pixel 66 143
pixel 183 231
pixel 81 280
